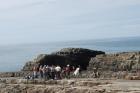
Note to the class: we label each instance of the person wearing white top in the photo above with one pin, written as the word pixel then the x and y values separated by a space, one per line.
pixel 76 72
pixel 58 71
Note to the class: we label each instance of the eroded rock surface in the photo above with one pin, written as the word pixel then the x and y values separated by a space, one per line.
pixel 72 56
pixel 126 61
pixel 12 85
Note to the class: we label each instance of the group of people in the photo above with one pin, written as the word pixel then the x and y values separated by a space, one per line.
pixel 55 72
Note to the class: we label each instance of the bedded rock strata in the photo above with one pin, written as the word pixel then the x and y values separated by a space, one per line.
pixel 68 86
pixel 125 65
pixel 126 61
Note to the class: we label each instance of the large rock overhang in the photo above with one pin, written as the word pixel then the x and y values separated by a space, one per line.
pixel 71 56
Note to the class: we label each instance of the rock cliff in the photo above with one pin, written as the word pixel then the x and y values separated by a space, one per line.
pixel 125 61
pixel 72 56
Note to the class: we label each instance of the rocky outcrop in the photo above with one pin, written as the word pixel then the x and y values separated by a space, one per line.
pixel 13 85
pixel 126 61
pixel 14 74
pixel 72 56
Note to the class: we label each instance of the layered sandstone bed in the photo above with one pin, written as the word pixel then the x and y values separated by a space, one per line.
pixel 125 61
pixel 11 85
pixel 125 65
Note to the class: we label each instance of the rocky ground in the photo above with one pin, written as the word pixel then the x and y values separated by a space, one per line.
pixel 86 85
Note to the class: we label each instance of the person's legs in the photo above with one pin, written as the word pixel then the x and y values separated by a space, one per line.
pixel 44 76
pixel 52 75
pixel 34 74
pixel 41 74
pixel 47 75
pixel 58 75
pixel 68 75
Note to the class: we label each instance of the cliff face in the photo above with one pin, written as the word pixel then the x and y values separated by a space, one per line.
pixel 72 56
pixel 125 61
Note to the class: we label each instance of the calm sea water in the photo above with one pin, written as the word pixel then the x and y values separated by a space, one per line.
pixel 13 58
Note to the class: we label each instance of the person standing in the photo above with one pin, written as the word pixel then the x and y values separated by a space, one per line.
pixel 52 69
pixel 47 72
pixel 44 72
pixel 35 70
pixel 68 71
pixel 40 71
pixel 76 72
pixel 58 71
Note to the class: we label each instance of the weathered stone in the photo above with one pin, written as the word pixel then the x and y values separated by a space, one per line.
pixel 126 61
pixel 72 56
pixel 60 86
pixel 14 74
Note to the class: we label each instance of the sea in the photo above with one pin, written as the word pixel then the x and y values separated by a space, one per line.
pixel 13 57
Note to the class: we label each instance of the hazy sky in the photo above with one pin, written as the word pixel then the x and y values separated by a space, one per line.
pixel 29 21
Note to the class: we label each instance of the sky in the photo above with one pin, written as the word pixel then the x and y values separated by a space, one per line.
pixel 34 21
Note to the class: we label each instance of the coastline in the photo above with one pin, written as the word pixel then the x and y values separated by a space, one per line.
pixel 92 57
pixel 111 80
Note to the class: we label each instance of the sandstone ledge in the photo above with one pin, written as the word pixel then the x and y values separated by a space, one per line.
pixel 12 85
